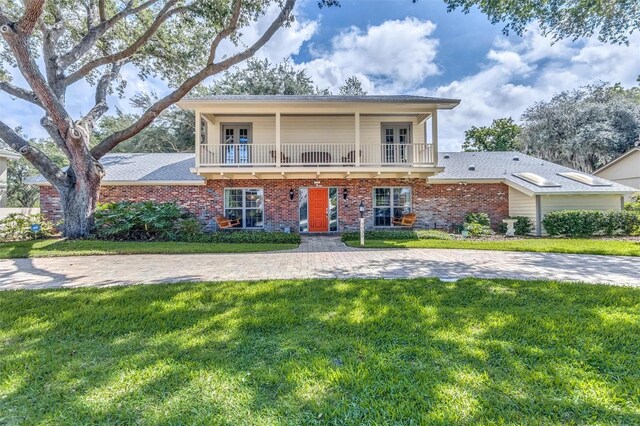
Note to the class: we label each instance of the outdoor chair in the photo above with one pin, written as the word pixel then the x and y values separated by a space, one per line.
pixel 350 158
pixel 224 223
pixel 407 219
pixel 283 158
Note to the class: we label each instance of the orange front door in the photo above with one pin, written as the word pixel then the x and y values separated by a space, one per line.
pixel 318 209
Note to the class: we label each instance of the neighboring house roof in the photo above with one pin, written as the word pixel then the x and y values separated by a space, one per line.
pixel 144 169
pixel 174 168
pixel 501 166
pixel 612 162
pixel 9 154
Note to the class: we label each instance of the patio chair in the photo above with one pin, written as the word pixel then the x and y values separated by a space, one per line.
pixel 407 219
pixel 283 158
pixel 224 223
pixel 350 158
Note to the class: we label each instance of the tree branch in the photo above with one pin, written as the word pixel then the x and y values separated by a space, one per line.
pixel 19 92
pixel 102 11
pixel 226 32
pixel 210 69
pixel 89 40
pixel 100 106
pixel 45 166
pixel 32 12
pixel 130 50
pixel 19 45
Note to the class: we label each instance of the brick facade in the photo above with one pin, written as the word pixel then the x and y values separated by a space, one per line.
pixel 438 205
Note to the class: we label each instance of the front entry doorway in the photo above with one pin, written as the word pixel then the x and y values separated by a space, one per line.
pixel 318 209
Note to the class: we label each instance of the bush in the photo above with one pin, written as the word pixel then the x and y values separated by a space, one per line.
pixel 142 221
pixel 621 223
pixel 477 218
pixel 17 227
pixel 477 224
pixel 404 234
pixel 523 225
pixel 634 204
pixel 477 229
pixel 249 237
pixel 585 223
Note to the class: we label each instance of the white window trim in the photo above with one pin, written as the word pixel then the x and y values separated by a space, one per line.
pixel 244 208
pixel 391 206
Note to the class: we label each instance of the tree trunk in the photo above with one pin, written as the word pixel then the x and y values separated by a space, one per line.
pixel 78 203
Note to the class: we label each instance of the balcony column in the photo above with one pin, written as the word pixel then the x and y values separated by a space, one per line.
pixel 278 145
pixel 434 137
pixel 198 137
pixel 357 137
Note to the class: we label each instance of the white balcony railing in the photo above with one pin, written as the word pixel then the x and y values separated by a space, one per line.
pixel 316 154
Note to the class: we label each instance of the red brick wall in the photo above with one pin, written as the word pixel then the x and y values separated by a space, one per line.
pixel 436 205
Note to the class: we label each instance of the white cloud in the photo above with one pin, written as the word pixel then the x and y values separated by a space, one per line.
pixel 286 42
pixel 521 72
pixel 394 56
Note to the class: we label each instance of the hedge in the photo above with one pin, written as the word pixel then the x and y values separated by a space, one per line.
pixel 585 223
pixel 403 234
pixel 256 237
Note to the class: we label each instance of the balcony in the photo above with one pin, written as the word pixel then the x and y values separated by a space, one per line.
pixel 317 155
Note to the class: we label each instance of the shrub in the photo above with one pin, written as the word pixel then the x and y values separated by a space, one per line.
pixel 621 223
pixel 477 224
pixel 634 204
pixel 17 227
pixel 141 221
pixel 585 223
pixel 479 218
pixel 255 237
pixel 402 234
pixel 523 225
pixel 477 229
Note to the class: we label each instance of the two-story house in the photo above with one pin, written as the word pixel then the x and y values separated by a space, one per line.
pixel 307 163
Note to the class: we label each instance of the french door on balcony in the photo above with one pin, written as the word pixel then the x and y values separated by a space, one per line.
pixel 237 143
pixel 395 138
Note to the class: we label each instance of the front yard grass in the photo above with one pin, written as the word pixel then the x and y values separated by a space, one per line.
pixel 57 247
pixel 322 352
pixel 547 245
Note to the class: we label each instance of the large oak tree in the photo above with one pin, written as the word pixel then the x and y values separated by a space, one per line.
pixel 56 44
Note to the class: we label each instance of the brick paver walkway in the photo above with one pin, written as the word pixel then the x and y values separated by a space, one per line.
pixel 317 257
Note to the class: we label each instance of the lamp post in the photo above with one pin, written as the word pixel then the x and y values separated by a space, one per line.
pixel 361 208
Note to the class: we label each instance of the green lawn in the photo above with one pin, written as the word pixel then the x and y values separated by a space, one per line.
pixel 550 245
pixel 49 248
pixel 322 352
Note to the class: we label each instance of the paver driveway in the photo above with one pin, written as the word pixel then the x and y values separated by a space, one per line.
pixel 317 257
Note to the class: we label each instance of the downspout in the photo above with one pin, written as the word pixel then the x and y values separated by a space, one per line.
pixel 538 216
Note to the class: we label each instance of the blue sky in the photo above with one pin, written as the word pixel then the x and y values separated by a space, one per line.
pixel 396 46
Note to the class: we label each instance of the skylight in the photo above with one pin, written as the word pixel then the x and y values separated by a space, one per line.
pixel 586 179
pixel 537 180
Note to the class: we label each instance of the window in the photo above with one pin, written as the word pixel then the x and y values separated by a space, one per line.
pixel 389 203
pixel 246 204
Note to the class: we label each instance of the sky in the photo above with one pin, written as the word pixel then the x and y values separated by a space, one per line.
pixel 401 47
